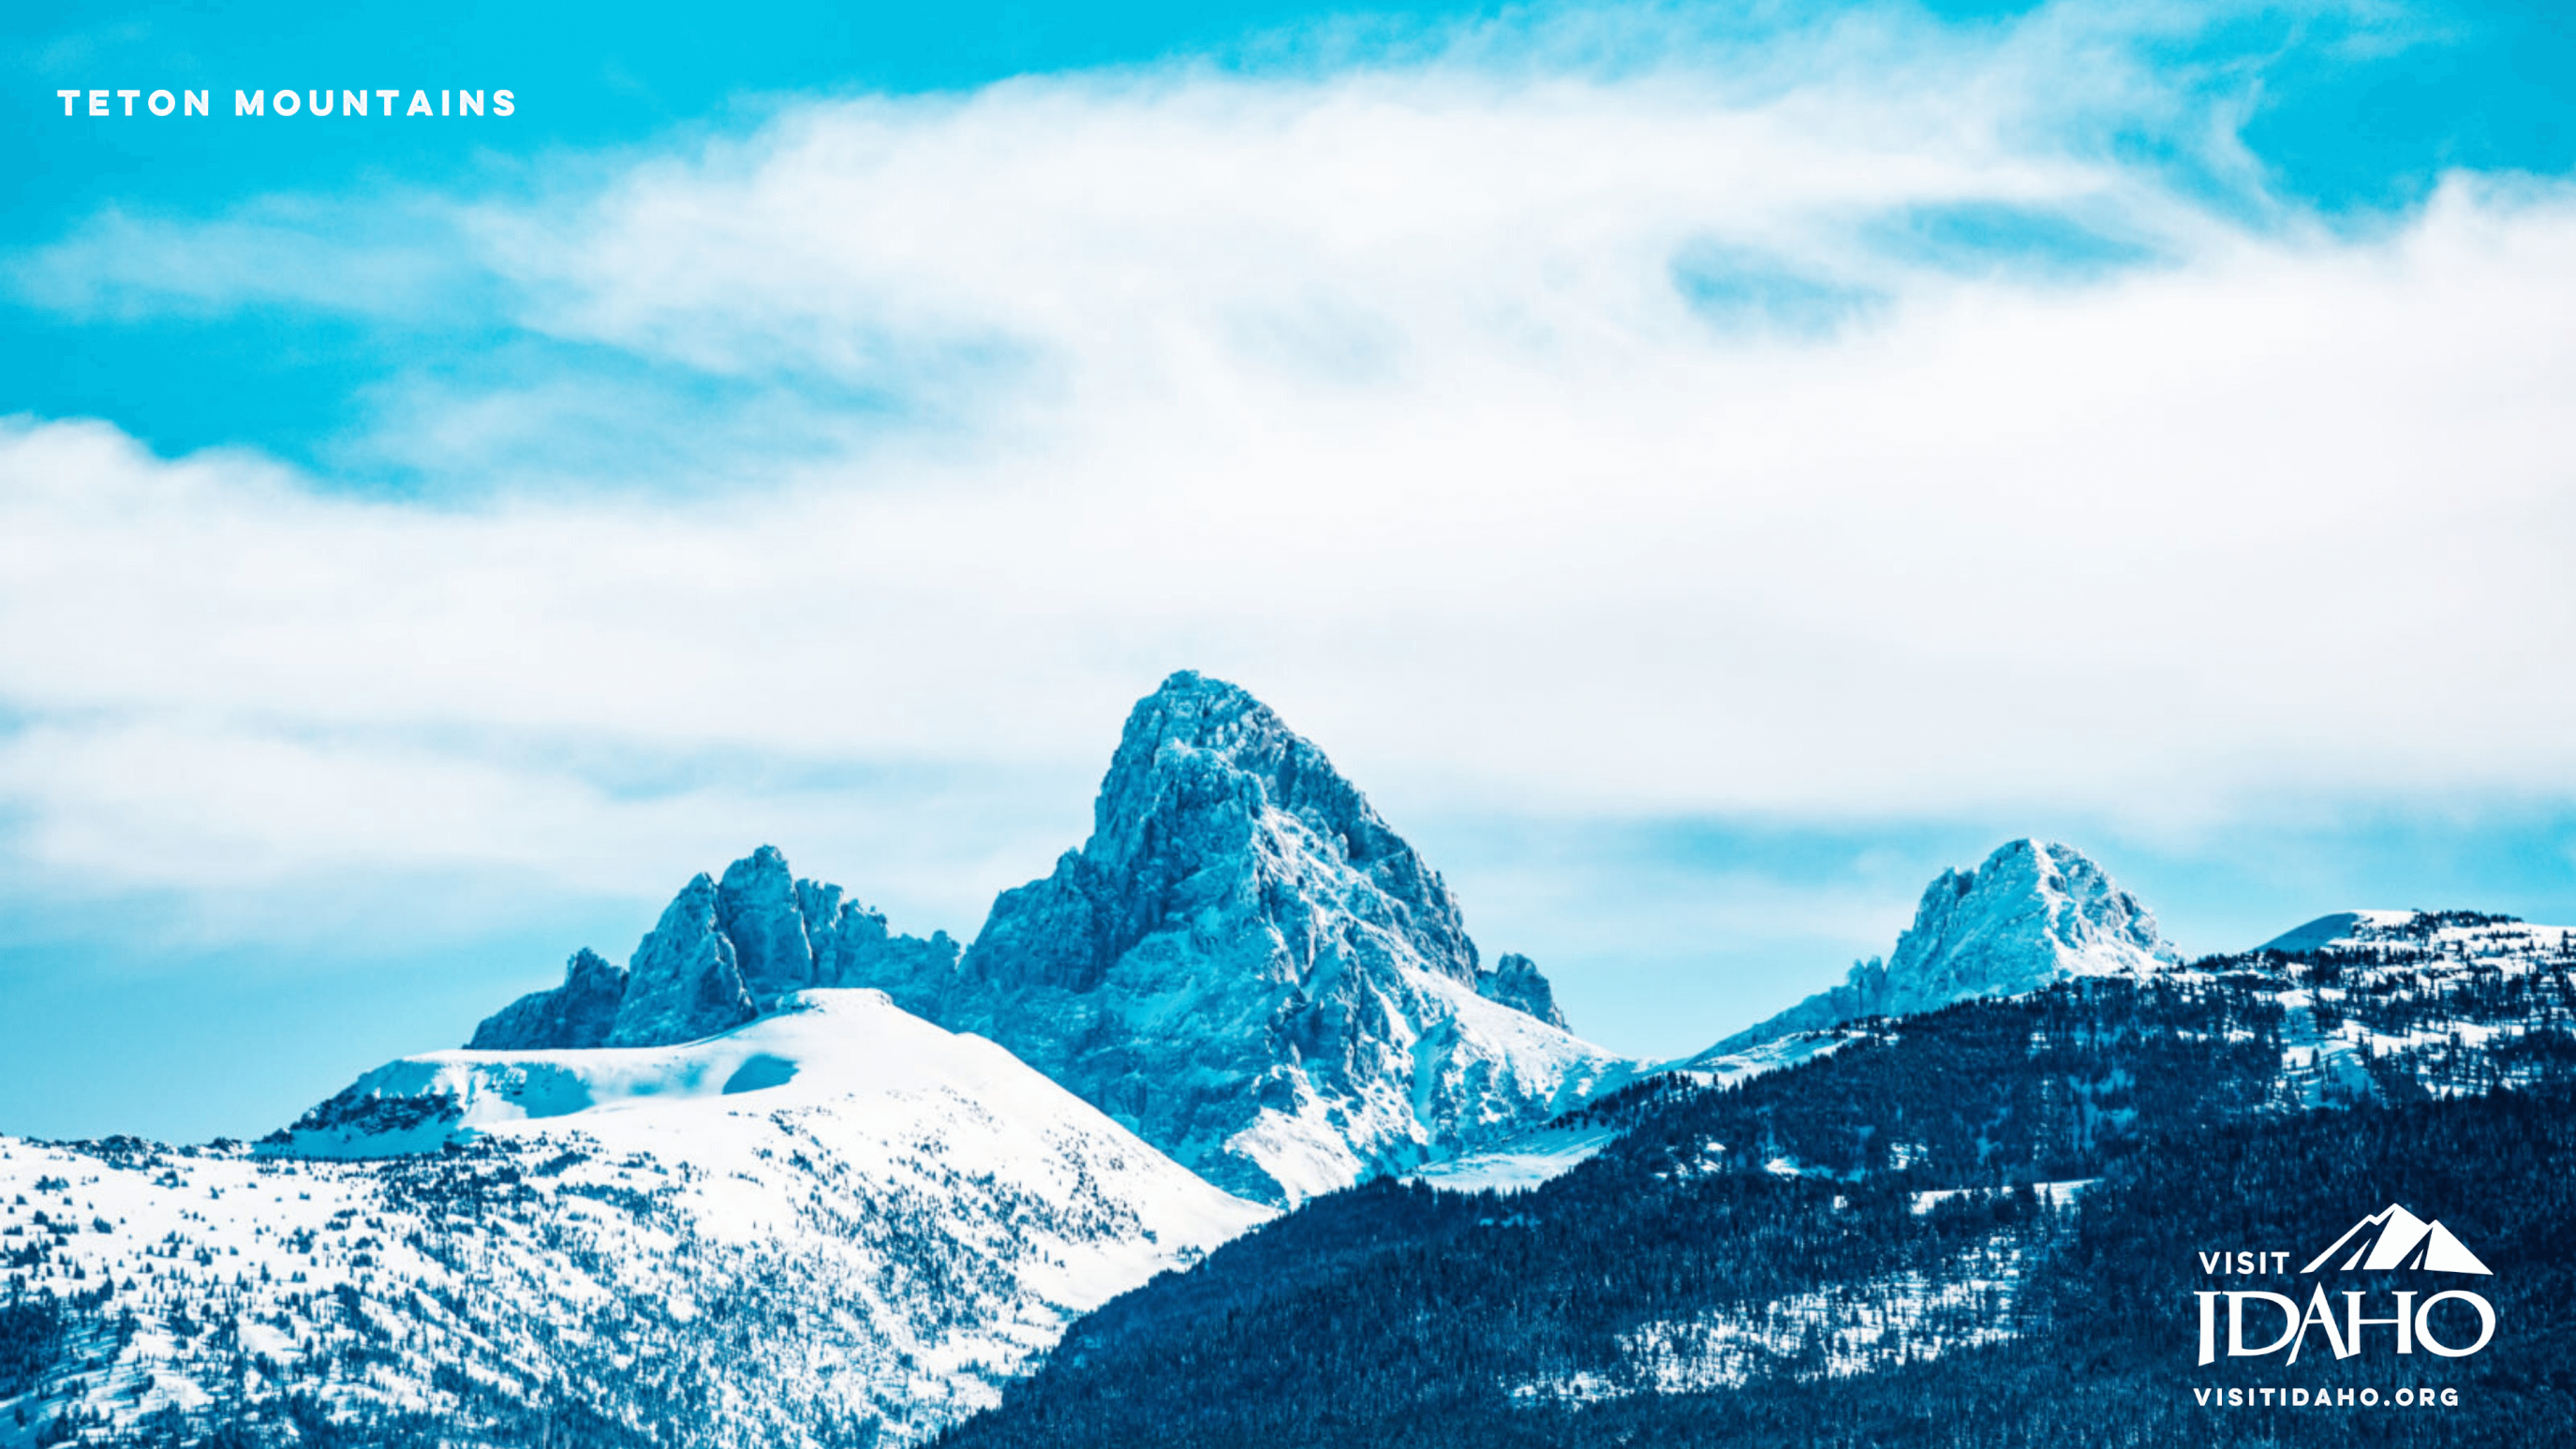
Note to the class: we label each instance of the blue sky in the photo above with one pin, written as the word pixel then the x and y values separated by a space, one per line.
pixel 1702 469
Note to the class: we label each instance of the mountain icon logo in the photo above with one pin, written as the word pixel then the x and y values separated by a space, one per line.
pixel 2395 1238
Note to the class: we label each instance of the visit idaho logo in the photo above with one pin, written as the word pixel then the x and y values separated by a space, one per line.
pixel 2395 1238
pixel 2392 1239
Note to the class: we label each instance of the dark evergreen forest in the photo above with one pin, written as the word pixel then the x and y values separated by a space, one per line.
pixel 1393 1314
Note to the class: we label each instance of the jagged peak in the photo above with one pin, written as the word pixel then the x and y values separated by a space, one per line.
pixel 2035 911
pixel 725 950
pixel 2053 862
pixel 2033 894
pixel 1214 734
pixel 1236 881
pixel 1202 768
pixel 767 860
pixel 1198 741
pixel 1197 710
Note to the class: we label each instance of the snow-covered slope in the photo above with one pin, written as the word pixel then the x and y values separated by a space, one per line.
pixel 838 1217
pixel 1249 967
pixel 2034 913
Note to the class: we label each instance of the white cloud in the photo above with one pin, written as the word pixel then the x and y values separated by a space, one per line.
pixel 1375 391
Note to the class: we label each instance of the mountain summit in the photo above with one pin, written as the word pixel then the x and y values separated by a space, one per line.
pixel 2034 913
pixel 1247 965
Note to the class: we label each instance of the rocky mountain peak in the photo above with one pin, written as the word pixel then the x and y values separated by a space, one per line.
pixel 1250 967
pixel 2034 912
pixel 1203 773
pixel 1516 982
pixel 758 910
pixel 579 1013
pixel 685 979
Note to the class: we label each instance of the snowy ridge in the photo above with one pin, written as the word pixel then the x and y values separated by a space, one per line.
pixel 837 1222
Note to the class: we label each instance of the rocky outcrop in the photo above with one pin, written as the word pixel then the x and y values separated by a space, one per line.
pixel 578 1013
pixel 685 979
pixel 1515 982
pixel 725 952
pixel 758 911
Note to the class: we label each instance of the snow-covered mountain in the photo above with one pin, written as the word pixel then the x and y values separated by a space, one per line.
pixel 2034 913
pixel 835 1223
pixel 1249 967
pixel 1244 964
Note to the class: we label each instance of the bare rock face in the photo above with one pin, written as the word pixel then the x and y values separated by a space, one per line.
pixel 1249 967
pixel 758 911
pixel 1515 982
pixel 725 952
pixel 2034 913
pixel 685 980
pixel 578 1013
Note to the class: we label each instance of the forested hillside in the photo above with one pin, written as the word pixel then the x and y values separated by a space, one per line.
pixel 1979 1226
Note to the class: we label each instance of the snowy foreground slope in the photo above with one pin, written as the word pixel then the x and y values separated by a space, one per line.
pixel 838 1224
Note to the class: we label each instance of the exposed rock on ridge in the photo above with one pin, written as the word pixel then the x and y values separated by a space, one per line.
pixel 1515 982
pixel 723 953
pixel 685 980
pixel 579 1013
pixel 2034 913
